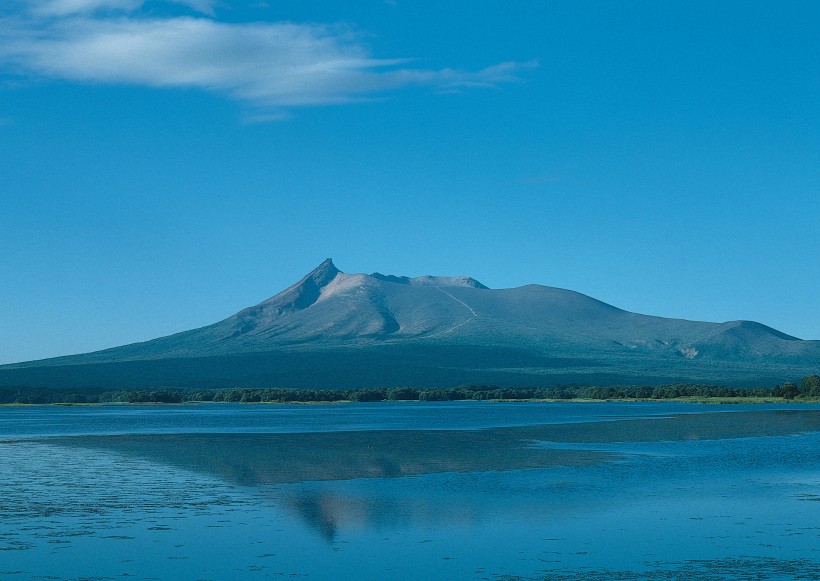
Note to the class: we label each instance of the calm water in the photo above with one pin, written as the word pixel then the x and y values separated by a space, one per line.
pixel 411 491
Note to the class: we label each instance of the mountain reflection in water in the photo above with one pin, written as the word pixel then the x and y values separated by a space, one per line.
pixel 296 471
pixel 289 469
pixel 253 458
pixel 606 491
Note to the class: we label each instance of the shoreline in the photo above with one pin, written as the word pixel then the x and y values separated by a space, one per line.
pixel 688 399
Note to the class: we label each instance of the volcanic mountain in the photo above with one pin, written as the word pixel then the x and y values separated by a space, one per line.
pixel 337 330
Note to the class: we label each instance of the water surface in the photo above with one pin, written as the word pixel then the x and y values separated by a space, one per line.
pixel 406 491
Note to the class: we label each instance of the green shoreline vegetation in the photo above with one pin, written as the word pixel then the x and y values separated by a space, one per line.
pixel 807 390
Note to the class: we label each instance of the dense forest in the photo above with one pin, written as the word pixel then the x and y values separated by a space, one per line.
pixel 809 387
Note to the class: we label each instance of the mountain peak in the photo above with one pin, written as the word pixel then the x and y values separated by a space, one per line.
pixel 296 297
pixel 323 274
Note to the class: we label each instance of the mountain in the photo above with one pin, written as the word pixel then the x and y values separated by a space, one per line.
pixel 338 330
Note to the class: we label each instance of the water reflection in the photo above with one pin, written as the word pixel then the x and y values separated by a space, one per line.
pixel 290 468
pixel 323 513
pixel 361 480
pixel 332 511
pixel 254 459
pixel 258 459
pixel 694 496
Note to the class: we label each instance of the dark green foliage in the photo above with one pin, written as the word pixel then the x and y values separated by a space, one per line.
pixel 402 393
pixel 368 395
pixel 809 387
pixel 788 390
pixel 150 396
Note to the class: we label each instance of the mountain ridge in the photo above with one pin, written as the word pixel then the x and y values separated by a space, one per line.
pixel 384 329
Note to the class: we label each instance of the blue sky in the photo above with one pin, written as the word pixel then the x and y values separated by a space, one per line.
pixel 165 164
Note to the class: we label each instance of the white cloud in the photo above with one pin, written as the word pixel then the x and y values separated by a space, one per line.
pixel 267 65
pixel 70 7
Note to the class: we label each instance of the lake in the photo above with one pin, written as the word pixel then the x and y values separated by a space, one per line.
pixel 462 490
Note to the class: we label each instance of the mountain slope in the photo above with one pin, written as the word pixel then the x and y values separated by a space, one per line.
pixel 333 329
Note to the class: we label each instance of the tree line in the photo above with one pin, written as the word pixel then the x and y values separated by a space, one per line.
pixel 809 387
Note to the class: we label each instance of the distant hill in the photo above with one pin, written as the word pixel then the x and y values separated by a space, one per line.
pixel 337 330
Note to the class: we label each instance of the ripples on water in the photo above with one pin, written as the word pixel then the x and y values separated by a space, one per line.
pixel 389 491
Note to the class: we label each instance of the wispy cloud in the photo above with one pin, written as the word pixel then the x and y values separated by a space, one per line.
pixel 5 121
pixel 268 65
pixel 69 7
